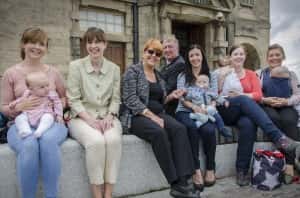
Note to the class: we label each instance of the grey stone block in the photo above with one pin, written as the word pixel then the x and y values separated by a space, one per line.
pixel 139 171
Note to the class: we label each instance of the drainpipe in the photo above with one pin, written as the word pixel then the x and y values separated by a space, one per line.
pixel 135 13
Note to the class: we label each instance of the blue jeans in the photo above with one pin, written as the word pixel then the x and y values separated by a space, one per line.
pixel 247 114
pixel 219 121
pixel 207 132
pixel 34 154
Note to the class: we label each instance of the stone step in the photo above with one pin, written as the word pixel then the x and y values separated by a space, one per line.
pixel 139 171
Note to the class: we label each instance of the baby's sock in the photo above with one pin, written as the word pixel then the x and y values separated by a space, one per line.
pixel 46 122
pixel 22 125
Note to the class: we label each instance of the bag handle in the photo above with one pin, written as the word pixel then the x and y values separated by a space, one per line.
pixel 276 154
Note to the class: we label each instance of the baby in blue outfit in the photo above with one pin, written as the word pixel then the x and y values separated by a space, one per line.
pixel 200 95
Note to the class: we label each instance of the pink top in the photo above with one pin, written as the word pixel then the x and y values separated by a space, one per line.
pixel 35 114
pixel 251 84
pixel 13 86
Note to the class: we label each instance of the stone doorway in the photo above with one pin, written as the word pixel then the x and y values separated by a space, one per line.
pixel 188 34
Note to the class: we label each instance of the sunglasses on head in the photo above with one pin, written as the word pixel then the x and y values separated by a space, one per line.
pixel 156 53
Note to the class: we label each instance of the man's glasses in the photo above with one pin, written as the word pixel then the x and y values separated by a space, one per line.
pixel 156 53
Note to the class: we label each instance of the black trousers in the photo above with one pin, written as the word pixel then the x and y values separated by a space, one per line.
pixel 170 145
pixel 286 119
pixel 207 133
pixel 170 107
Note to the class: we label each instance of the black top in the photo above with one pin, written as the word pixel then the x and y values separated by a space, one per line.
pixel 156 95
pixel 171 71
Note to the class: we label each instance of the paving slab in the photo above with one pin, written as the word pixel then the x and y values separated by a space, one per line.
pixel 226 188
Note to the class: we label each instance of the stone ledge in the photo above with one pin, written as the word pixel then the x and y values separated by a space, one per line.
pixel 139 171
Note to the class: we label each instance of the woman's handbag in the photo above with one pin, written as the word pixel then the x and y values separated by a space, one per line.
pixel 3 128
pixel 267 169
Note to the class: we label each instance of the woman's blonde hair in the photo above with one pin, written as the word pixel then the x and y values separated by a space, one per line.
pixel 276 46
pixel 154 44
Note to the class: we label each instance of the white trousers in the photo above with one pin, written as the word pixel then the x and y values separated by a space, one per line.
pixel 103 151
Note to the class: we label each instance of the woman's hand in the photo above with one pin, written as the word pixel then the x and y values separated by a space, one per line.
pixel 280 102
pixel 176 94
pixel 28 104
pixel 233 94
pixel 147 113
pixel 106 123
pixel 94 123
pixel 275 101
pixel 269 100
pixel 157 120
pixel 198 109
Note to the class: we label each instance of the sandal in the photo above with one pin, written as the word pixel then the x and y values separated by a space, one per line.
pixel 197 184
pixel 208 183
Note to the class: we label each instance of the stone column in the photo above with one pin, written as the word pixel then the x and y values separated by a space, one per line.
pixel 220 43
pixel 75 31
pixel 165 26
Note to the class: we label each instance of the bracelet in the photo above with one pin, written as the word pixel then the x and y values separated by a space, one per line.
pixel 145 111
pixel 193 106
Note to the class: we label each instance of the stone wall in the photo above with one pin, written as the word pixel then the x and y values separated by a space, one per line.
pixel 52 16
pixel 251 25
pixel 57 17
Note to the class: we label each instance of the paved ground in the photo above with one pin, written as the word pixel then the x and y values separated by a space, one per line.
pixel 226 188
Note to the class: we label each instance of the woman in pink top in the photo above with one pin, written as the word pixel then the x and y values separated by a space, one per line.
pixel 247 114
pixel 33 154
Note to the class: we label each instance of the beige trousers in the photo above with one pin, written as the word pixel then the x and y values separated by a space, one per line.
pixel 102 151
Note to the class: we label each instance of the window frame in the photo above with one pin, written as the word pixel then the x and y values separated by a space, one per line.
pixel 113 22
pixel 247 3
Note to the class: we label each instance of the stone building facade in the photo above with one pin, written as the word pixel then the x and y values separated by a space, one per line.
pixel 214 24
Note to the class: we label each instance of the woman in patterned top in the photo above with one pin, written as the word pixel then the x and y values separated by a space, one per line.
pixel 143 114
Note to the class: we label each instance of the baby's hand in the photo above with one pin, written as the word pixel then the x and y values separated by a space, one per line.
pixel 37 134
pixel 24 134
pixel 59 119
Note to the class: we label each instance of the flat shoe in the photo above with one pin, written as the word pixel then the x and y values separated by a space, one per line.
pixel 209 183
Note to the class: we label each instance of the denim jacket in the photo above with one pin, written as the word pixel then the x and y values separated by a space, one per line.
pixel 135 93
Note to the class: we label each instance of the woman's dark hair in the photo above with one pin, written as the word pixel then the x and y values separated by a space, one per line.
pixel 189 76
pixel 94 33
pixel 33 35
pixel 234 47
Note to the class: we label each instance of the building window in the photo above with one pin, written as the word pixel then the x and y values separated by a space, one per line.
pixel 247 3
pixel 201 2
pixel 110 22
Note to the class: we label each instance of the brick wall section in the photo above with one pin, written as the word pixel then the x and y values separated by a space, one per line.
pixel 52 16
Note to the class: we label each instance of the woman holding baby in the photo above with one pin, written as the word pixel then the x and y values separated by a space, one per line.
pixel 37 152
pixel 281 98
pixel 197 71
